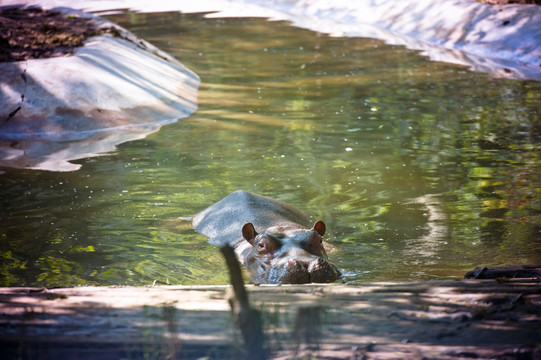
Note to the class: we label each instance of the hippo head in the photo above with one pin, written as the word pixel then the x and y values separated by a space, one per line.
pixel 288 254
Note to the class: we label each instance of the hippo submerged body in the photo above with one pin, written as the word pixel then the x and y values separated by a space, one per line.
pixel 275 242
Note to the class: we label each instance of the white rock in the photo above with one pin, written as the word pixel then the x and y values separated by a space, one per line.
pixel 109 91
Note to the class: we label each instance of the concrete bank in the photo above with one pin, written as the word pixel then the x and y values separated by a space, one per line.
pixel 503 40
pixel 483 319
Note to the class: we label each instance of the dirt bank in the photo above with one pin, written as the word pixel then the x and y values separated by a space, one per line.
pixel 33 33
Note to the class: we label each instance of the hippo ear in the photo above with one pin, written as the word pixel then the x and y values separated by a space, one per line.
pixel 319 226
pixel 249 233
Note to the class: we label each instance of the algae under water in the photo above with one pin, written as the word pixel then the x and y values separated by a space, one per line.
pixel 420 169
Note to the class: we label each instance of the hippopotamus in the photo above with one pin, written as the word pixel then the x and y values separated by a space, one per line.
pixel 276 242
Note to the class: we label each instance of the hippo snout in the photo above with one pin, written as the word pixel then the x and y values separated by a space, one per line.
pixel 293 271
pixel 322 271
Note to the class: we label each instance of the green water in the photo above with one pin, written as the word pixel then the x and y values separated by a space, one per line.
pixel 420 170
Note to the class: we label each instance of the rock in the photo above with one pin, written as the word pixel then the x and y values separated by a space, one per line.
pixel 509 272
pixel 114 88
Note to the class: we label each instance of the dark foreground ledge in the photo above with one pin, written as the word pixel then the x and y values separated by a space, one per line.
pixel 483 319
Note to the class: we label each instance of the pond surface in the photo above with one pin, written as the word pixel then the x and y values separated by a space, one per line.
pixel 421 170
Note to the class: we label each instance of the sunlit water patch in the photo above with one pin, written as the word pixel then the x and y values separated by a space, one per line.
pixel 420 169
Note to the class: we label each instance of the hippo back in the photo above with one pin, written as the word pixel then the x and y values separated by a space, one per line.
pixel 222 222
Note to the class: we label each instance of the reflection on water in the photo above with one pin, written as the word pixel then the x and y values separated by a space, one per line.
pixel 421 170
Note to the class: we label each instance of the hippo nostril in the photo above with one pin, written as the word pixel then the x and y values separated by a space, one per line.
pixel 321 271
pixel 292 262
pixel 317 264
